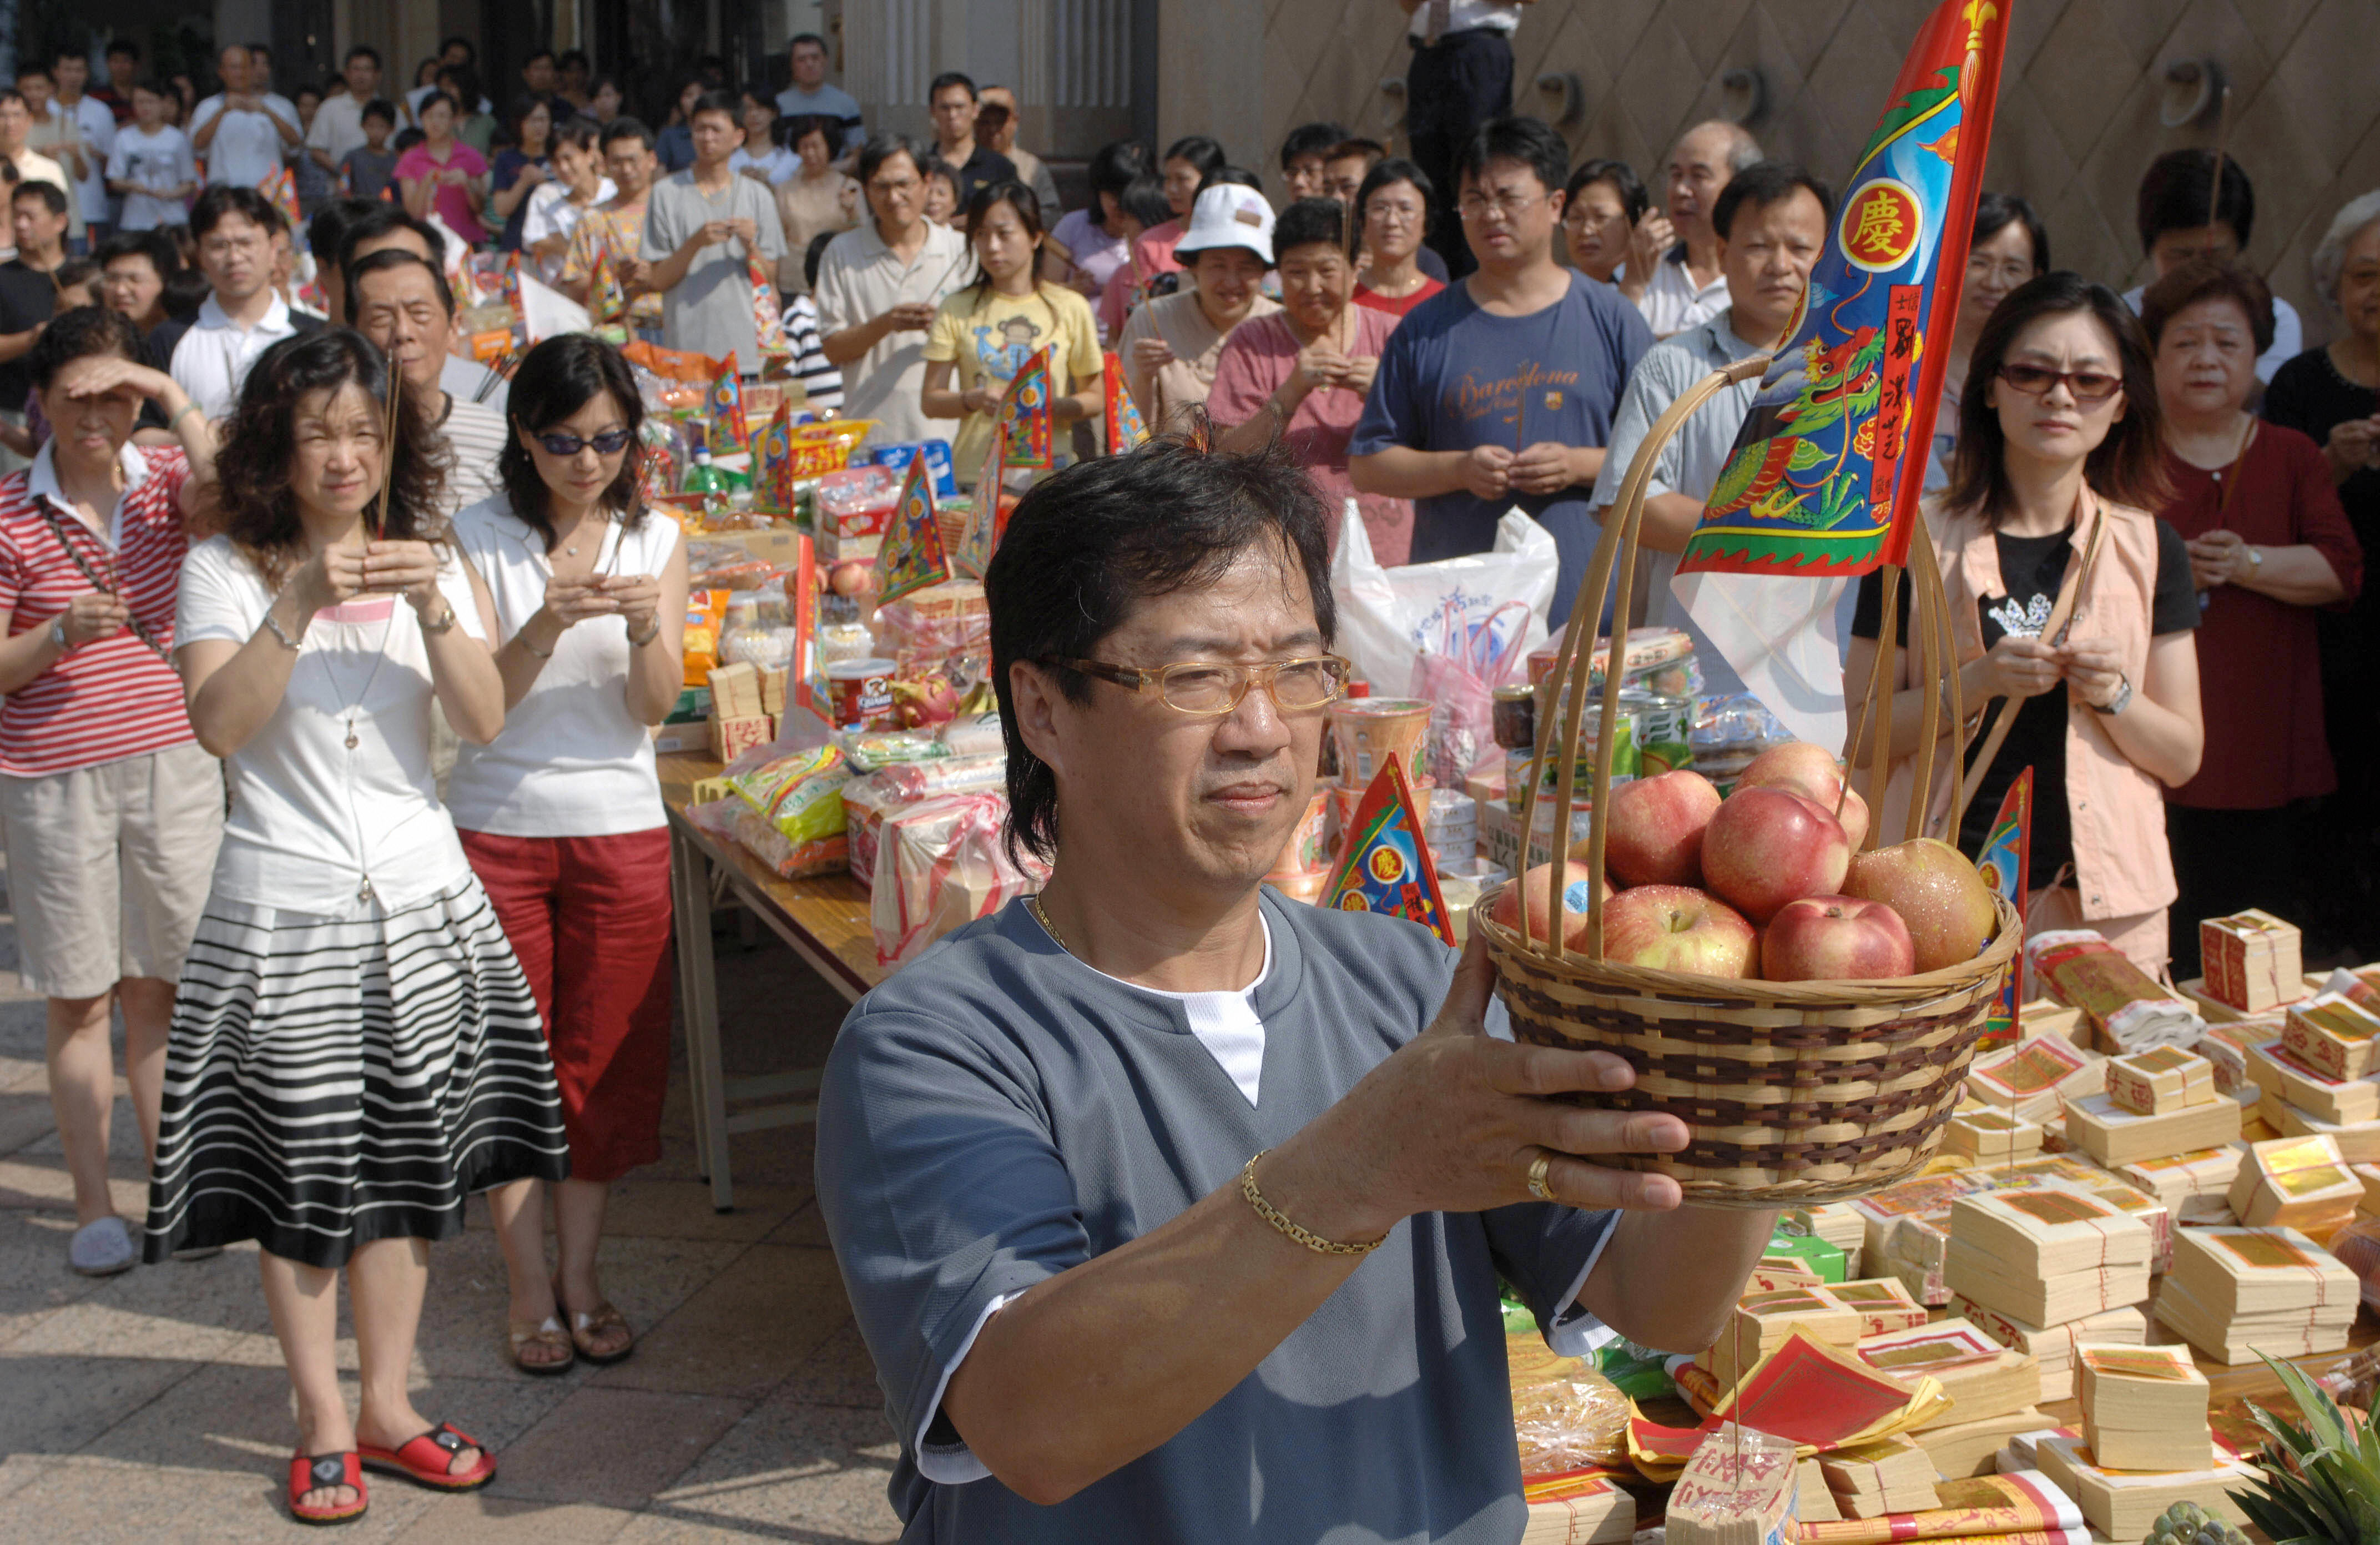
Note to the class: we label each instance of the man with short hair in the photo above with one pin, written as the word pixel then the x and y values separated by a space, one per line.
pixel 16 133
pixel 1673 270
pixel 381 226
pixel 537 73
pixel 37 217
pixel 242 132
pixel 339 121
pixel 1346 165
pixel 883 281
pixel 123 71
pixel 242 315
pixel 55 135
pixel 1168 1207
pixel 995 125
pixel 811 96
pixel 953 101
pixel 260 60
pixel 1302 154
pixel 1499 390
pixel 704 229
pixel 617 228
pixel 1772 224
pixel 95 124
pixel 404 304
pixel 2171 214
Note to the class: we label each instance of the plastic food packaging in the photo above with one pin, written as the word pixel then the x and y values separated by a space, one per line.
pixel 907 782
pixel 970 734
pixel 793 821
pixel 1566 1415
pixel 939 865
pixel 842 642
pixel 1367 731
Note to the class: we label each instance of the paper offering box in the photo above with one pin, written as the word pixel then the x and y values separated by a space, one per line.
pixel 2331 1033
pixel 2298 1182
pixel 2049 1233
pixel 2113 1136
pixel 2162 1079
pixel 2145 1408
pixel 2252 960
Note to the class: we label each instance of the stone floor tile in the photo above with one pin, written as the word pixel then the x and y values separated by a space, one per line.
pixel 57 1404
pixel 749 1328
pixel 25 1117
pixel 805 1227
pixel 477 1515
pixel 789 1471
pixel 838 1373
pixel 35 1281
pixel 179 1309
pixel 612 1447
pixel 39 1181
pixel 93 1501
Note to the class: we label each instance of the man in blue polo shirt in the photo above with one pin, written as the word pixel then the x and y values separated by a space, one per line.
pixel 1499 390
pixel 1173 1211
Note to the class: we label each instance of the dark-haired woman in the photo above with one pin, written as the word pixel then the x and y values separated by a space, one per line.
pixel 983 334
pixel 443 175
pixel 818 198
pixel 2269 545
pixel 1302 373
pixel 1600 208
pixel 2009 245
pixel 562 815
pixel 110 809
pixel 2059 463
pixel 1091 243
pixel 1186 169
pixel 354 1049
pixel 521 167
pixel 1392 214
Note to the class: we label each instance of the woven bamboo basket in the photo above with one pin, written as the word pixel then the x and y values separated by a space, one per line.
pixel 1793 1093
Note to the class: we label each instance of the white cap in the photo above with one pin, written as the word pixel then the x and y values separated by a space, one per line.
pixel 1229 215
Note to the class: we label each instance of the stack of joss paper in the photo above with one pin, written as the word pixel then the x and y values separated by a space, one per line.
pixel 2332 1033
pixel 1872 1481
pixel 2021 1508
pixel 1760 1324
pixel 2035 1078
pixel 1836 1223
pixel 1736 1489
pixel 2284 1083
pixel 2236 1292
pixel 2253 960
pixel 1990 1137
pixel 2054 1347
pixel 2195 1187
pixel 2145 1408
pixel 1992 1389
pixel 1910 1217
pixel 2302 1182
pixel 2046 1257
pixel 2157 1104
pixel 1586 1511
pixel 2123 1504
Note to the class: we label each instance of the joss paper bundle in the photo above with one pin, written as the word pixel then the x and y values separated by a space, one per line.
pixel 2131 1009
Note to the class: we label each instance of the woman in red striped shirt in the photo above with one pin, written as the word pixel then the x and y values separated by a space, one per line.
pixel 112 811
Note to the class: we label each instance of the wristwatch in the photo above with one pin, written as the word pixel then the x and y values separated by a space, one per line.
pixel 58 633
pixel 2120 701
pixel 2255 559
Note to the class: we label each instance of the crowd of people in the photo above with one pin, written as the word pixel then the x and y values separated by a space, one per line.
pixel 264 527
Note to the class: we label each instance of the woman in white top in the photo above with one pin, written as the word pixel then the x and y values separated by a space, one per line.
pixel 354 1048
pixel 562 814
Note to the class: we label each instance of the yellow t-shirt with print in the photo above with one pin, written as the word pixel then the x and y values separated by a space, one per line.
pixel 990 336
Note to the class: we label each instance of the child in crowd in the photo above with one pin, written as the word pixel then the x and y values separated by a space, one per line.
pixel 151 167
pixel 314 185
pixel 368 168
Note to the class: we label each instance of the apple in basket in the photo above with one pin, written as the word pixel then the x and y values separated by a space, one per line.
pixel 1770 846
pixel 1654 833
pixel 1576 880
pixel 1835 939
pixel 1937 893
pixel 1677 928
pixel 1808 768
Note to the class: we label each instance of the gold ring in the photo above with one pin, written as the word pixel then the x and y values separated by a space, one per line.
pixel 1538 1168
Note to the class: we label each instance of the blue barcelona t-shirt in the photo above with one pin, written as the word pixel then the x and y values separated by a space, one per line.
pixel 1455 376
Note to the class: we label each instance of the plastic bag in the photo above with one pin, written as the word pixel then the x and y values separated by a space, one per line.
pixel 1449 631
pixel 1566 1415
pixel 939 865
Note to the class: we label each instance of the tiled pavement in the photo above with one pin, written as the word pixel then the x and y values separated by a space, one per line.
pixel 152 1405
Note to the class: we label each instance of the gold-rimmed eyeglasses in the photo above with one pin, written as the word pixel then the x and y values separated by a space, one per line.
pixel 1210 688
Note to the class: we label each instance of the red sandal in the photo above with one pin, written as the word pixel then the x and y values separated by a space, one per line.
pixel 423 1459
pixel 319 1472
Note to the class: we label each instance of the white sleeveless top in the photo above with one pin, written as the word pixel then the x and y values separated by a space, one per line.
pixel 572 760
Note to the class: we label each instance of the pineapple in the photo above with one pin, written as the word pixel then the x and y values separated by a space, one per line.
pixel 2322 1481
pixel 2189 1523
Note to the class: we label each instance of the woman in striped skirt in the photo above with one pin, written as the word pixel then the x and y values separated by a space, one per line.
pixel 354 1047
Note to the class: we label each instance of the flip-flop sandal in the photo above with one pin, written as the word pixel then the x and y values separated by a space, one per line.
pixel 549 1333
pixel 423 1459
pixel 319 1472
pixel 584 1326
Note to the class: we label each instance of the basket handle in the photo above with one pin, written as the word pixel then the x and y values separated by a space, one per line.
pixel 1617 546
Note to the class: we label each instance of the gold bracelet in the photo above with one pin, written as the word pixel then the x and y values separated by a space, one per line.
pixel 1306 1238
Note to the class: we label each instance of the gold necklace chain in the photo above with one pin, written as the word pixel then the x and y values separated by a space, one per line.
pixel 1042 917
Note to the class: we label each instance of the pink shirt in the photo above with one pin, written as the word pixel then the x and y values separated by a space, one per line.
pixel 452 205
pixel 1152 254
pixel 1258 358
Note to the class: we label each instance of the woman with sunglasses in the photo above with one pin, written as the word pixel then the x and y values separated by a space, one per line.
pixel 2073 611
pixel 561 814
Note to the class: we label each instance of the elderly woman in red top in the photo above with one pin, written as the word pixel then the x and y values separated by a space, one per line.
pixel 112 811
pixel 2269 545
pixel 1302 371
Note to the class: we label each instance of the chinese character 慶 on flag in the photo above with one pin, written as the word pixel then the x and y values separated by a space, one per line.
pixel 1824 481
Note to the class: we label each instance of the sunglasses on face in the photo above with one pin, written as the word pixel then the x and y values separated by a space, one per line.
pixel 2087 386
pixel 611 441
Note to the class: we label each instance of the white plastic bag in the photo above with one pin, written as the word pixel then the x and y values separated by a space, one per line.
pixel 1410 630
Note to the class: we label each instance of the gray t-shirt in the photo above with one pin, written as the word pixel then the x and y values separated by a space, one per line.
pixel 709 311
pixel 997 1112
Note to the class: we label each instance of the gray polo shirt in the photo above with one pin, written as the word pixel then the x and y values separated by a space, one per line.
pixel 997 1112
pixel 709 311
pixel 1689 464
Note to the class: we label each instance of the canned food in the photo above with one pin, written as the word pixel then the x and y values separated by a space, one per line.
pixel 1664 731
pixel 1513 716
pixel 860 694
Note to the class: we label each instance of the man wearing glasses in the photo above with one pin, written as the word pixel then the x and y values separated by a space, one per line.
pixel 1498 391
pixel 243 315
pixel 1170 1207
pixel 878 288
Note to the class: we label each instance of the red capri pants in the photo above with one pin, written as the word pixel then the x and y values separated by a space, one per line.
pixel 602 905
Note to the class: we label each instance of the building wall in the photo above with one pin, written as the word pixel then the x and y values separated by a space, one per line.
pixel 2079 114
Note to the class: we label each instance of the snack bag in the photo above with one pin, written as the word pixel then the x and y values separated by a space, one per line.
pixel 939 865
pixel 794 820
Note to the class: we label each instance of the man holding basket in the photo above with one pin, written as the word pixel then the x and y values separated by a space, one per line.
pixel 1174 1210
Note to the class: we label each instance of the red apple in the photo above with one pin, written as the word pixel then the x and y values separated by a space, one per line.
pixel 1655 832
pixel 1576 879
pixel 1937 893
pixel 1770 846
pixel 1834 938
pixel 1808 768
pixel 1677 928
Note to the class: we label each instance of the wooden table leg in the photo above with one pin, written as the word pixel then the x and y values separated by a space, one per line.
pixel 699 982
